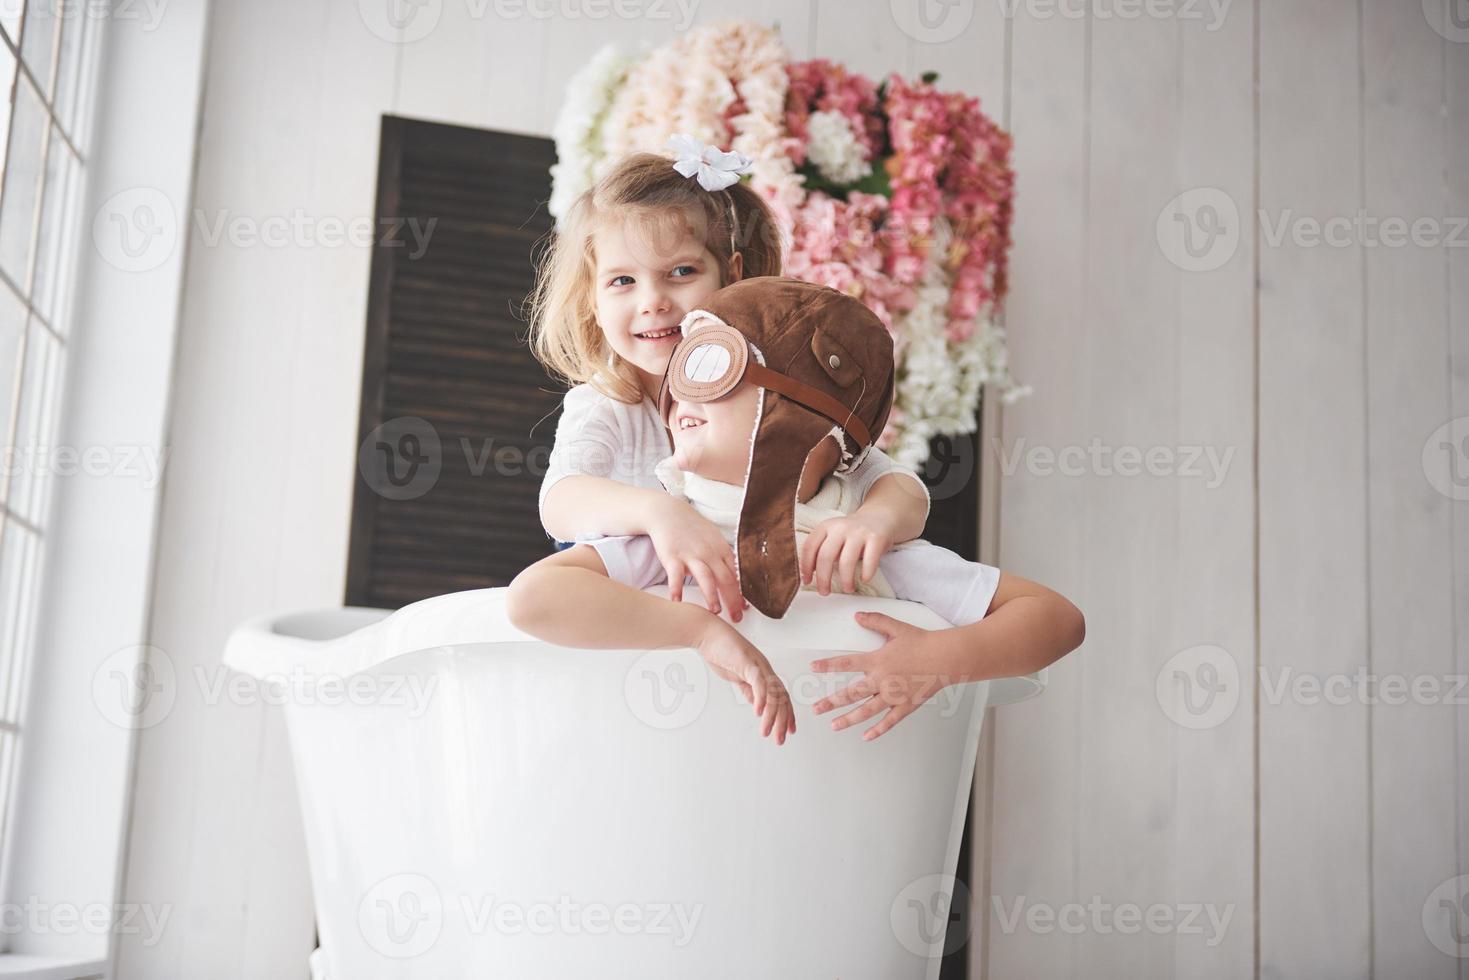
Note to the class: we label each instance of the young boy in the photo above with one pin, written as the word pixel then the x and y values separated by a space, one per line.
pixel 775 384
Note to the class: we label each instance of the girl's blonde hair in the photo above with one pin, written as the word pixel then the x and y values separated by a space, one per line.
pixel 642 188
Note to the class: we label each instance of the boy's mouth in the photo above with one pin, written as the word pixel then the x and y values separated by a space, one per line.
pixel 660 336
pixel 686 422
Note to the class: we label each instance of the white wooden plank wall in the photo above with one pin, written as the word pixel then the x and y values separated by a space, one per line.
pixel 1314 545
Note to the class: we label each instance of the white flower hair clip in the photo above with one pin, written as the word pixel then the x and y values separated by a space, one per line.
pixel 716 168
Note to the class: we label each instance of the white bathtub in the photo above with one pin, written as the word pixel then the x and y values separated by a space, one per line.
pixel 481 804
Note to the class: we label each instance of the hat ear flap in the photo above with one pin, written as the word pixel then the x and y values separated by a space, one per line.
pixel 769 567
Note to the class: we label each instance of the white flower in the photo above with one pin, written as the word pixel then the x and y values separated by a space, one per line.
pixel 834 149
pixel 577 131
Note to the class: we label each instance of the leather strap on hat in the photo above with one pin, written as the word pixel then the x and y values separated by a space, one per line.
pixel 812 398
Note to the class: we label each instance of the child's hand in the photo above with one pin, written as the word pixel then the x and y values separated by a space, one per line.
pixel 688 543
pixel 896 676
pixel 739 661
pixel 840 544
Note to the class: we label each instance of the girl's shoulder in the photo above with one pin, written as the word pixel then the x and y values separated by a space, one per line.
pixel 585 400
pixel 584 396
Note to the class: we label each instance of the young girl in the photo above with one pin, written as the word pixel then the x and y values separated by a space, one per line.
pixel 634 253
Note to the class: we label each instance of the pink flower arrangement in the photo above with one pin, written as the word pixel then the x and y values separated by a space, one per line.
pixel 945 158
pixel 898 194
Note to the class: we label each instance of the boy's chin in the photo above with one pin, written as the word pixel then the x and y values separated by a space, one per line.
pixel 685 460
pixel 689 461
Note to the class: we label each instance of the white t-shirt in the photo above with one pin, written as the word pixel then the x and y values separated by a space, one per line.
pixel 601 436
pixel 958 590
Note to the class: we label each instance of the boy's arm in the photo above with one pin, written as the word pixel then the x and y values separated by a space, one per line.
pixel 567 599
pixel 1028 627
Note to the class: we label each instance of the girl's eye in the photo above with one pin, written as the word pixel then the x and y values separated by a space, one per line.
pixel 692 271
pixel 614 281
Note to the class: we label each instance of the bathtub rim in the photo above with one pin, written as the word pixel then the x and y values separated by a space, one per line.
pixel 260 648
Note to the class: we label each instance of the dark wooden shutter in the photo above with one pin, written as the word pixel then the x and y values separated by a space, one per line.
pixel 447 377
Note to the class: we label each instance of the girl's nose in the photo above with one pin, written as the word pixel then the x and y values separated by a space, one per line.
pixel 655 301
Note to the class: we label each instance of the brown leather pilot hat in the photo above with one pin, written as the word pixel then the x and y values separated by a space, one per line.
pixel 824 363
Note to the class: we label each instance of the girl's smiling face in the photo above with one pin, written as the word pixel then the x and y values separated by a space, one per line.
pixel 643 289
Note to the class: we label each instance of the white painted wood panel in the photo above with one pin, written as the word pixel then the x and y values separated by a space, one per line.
pixel 1125 839
pixel 1409 557
pixel 259 486
pixel 865 37
pixel 1212 575
pixel 1315 887
pixel 967 46
pixel 1043 521
pixel 1456 116
pixel 482 62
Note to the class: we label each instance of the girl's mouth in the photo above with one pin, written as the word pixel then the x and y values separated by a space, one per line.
pixel 660 336
pixel 688 422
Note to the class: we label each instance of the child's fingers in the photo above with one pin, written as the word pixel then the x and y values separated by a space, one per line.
pixel 757 682
pixel 861 713
pixel 705 578
pixel 728 588
pixel 826 558
pixel 871 555
pixel 855 691
pixel 729 563
pixel 676 571
pixel 894 715
pixel 775 710
pixel 846 663
pixel 851 555
pixel 809 548
pixel 783 720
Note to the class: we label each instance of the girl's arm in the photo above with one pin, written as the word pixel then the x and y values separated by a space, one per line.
pixel 893 497
pixel 686 542
pixel 900 505
pixel 600 505
pixel 579 496
pixel 893 509
pixel 595 437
